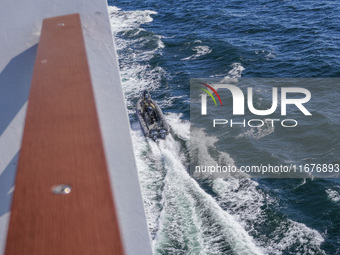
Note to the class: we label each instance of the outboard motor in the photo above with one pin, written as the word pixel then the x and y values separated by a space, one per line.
pixel 154 135
pixel 162 133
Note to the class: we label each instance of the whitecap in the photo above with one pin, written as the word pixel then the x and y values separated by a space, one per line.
pixel 234 74
pixel 200 51
pixel 259 132
pixel 333 195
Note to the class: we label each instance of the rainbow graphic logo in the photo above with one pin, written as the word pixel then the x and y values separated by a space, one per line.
pixel 209 93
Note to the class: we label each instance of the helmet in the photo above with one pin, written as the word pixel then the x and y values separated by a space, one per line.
pixel 146 94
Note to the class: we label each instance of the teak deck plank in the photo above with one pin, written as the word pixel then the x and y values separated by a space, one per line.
pixel 62 144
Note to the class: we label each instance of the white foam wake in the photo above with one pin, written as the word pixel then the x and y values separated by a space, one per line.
pixel 182 217
pixel 126 20
pixel 189 215
pixel 135 70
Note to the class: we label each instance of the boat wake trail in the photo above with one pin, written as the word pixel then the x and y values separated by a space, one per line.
pixel 182 217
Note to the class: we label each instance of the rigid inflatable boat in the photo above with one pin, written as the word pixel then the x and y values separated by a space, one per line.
pixel 151 118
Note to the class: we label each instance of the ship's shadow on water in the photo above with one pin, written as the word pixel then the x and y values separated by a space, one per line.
pixel 7 178
pixel 15 83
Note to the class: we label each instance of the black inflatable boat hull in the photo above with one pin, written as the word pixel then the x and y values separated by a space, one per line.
pixel 153 128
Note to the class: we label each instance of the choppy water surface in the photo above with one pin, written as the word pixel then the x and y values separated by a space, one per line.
pixel 161 45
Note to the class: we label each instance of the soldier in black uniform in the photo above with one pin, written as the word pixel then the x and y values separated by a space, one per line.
pixel 149 107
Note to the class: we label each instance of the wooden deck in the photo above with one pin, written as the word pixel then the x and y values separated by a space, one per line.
pixel 62 145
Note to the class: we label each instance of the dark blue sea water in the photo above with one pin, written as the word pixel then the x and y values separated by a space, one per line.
pixel 161 45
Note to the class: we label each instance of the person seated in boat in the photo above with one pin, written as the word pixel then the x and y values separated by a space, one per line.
pixel 151 112
pixel 147 98
pixel 149 107
pixel 147 102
